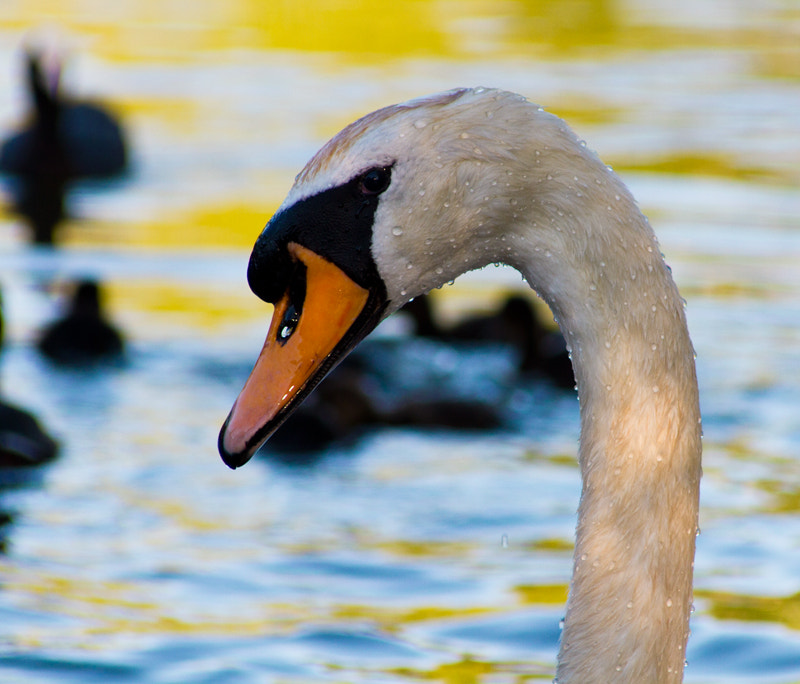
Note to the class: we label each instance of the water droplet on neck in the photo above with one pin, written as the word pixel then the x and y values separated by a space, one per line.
pixel 397 231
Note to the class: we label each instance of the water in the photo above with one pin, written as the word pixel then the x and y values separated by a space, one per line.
pixel 138 557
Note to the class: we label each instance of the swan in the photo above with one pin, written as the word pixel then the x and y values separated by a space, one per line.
pixel 410 196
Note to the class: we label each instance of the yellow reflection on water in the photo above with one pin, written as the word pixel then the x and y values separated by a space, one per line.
pixel 365 30
pixel 202 307
pixel 775 609
pixel 232 225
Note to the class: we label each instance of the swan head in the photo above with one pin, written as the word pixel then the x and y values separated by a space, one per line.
pixel 399 202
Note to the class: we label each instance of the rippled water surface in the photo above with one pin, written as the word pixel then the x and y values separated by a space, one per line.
pixel 403 556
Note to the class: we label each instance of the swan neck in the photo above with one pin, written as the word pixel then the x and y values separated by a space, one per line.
pixel 631 592
pixel 616 303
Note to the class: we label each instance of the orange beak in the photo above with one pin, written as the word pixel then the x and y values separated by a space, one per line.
pixel 298 352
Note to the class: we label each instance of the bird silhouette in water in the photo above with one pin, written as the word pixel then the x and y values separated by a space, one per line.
pixel 23 442
pixel 83 335
pixel 345 406
pixel 64 140
pixel 540 352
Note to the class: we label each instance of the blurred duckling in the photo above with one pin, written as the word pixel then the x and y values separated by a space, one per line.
pixel 84 335
pixel 516 324
pixel 344 406
pixel 23 442
pixel 64 140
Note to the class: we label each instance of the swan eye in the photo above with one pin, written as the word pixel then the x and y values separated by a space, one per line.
pixel 375 181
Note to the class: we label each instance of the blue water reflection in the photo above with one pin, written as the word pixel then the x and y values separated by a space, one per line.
pixel 403 554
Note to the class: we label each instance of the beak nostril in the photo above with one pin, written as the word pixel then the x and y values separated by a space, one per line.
pixel 296 297
pixel 289 324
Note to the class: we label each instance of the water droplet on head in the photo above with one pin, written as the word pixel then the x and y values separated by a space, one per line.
pixel 420 123
pixel 397 231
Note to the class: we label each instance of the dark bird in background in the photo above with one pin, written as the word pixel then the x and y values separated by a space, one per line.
pixel 84 335
pixel 23 442
pixel 345 406
pixel 540 352
pixel 63 141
